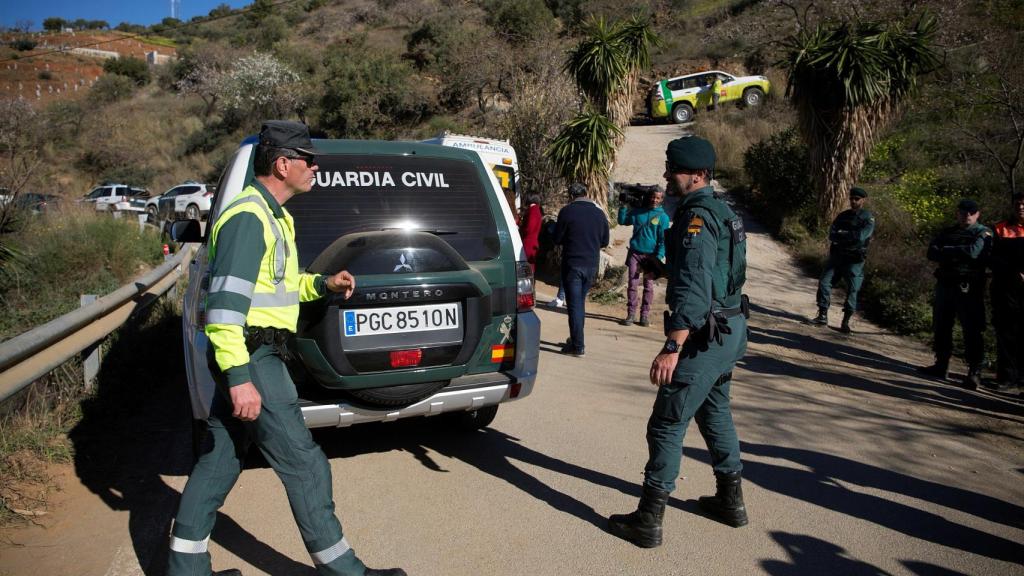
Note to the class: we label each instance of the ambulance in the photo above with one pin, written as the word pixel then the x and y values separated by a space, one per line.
pixel 498 156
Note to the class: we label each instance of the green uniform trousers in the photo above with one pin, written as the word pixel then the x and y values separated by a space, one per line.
pixel 964 301
pixel 284 440
pixel 699 391
pixel 844 269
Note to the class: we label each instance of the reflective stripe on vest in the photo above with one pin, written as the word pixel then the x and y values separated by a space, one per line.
pixel 280 245
pixel 183 546
pixel 331 554
pixel 271 302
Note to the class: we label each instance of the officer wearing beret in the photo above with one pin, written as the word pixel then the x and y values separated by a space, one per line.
pixel 849 237
pixel 707 335
pixel 252 308
pixel 961 252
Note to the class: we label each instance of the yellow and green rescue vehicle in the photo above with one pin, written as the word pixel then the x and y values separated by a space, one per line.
pixel 680 98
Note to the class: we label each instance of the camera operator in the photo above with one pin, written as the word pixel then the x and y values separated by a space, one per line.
pixel 641 209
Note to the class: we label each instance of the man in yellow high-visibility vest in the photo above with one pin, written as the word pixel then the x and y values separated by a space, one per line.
pixel 252 309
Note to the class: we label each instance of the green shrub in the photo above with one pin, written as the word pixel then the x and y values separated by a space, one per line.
pixel 926 197
pixel 23 44
pixel 883 161
pixel 520 21
pixel 132 68
pixel 367 93
pixel 780 184
pixel 111 88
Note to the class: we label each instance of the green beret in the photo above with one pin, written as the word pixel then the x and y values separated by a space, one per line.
pixel 691 153
pixel 858 192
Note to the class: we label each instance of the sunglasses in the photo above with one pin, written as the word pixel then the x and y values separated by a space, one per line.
pixel 309 160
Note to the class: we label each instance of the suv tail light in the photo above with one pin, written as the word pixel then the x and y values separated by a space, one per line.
pixel 656 92
pixel 406 358
pixel 208 193
pixel 524 286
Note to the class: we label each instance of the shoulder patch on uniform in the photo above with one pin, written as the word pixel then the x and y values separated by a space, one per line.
pixel 695 226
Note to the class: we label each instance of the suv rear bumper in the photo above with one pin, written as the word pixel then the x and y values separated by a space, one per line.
pixel 469 392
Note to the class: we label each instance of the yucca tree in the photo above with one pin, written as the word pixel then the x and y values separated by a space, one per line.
pixel 636 37
pixel 583 151
pixel 847 82
pixel 598 63
pixel 607 63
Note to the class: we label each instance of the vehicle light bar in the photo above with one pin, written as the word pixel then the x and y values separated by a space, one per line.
pixel 406 358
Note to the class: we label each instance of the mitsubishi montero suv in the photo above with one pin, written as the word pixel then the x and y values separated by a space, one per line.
pixel 442 318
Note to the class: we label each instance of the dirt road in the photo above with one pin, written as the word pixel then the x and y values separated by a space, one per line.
pixel 852 465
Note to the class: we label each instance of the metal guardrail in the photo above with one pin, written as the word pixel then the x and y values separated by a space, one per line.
pixel 29 356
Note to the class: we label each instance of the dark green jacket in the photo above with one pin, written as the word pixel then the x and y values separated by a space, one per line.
pixel 706 259
pixel 962 253
pixel 850 234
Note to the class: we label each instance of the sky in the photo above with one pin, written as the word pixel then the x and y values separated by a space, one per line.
pixel 144 12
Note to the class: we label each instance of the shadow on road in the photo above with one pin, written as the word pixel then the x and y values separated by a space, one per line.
pixel 137 428
pixel 820 479
pixel 810 555
pixel 490 451
pixel 910 388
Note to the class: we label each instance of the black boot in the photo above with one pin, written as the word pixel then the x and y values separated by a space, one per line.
pixel 642 527
pixel 845 326
pixel 973 378
pixel 228 572
pixel 384 572
pixel 726 505
pixel 822 318
pixel 938 370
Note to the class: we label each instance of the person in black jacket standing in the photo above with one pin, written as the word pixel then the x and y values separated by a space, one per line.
pixel 581 231
pixel 849 237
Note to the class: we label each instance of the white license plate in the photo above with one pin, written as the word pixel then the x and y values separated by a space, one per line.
pixel 400 319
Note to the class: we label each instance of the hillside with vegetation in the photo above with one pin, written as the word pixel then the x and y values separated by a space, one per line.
pixel 498 68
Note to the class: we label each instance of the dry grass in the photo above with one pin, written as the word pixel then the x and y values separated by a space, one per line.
pixel 733 130
pixel 33 430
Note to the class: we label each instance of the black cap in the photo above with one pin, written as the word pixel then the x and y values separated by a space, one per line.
pixel 287 134
pixel 691 153
pixel 967 205
pixel 1017 196
pixel 858 192
pixel 576 190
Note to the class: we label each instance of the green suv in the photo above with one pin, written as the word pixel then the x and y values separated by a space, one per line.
pixel 442 318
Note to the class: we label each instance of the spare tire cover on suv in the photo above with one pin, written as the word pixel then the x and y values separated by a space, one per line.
pixel 379 237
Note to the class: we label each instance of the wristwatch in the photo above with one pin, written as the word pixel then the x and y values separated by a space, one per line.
pixel 670 347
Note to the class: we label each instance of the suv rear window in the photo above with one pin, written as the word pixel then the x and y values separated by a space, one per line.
pixel 368 193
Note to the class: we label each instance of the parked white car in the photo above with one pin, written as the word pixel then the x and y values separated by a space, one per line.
pixel 191 200
pixel 107 195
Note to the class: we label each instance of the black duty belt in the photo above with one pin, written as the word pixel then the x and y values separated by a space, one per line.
pixel 256 336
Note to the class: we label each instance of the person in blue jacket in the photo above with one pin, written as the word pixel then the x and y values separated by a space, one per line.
pixel 649 222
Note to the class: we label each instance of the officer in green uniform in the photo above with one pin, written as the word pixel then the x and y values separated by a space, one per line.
pixel 849 236
pixel 961 252
pixel 251 309
pixel 707 335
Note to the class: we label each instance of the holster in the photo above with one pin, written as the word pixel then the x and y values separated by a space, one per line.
pixel 256 336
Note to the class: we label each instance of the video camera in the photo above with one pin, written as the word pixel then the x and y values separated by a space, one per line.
pixel 636 195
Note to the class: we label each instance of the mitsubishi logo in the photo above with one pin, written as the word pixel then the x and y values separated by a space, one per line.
pixel 403 265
